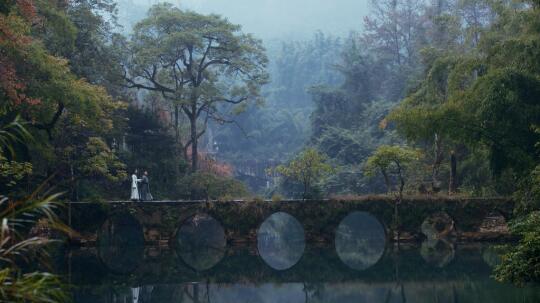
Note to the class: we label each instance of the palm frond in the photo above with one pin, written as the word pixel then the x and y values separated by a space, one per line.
pixel 12 133
pixel 17 220
pixel 17 242
pixel 32 287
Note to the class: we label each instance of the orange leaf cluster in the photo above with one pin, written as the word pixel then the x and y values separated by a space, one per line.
pixel 208 164
pixel 12 87
pixel 27 10
pixel 14 41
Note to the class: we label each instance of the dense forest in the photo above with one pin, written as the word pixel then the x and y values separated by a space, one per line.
pixel 429 97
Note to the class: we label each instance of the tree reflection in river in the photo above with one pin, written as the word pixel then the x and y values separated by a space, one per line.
pixel 360 240
pixel 201 242
pixel 347 292
pixel 320 276
pixel 281 241
pixel 121 243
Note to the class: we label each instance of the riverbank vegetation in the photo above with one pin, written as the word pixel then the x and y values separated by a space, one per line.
pixel 450 89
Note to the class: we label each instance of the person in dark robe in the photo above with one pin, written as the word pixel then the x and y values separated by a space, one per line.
pixel 145 188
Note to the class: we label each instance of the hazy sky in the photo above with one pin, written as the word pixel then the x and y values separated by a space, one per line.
pixel 271 19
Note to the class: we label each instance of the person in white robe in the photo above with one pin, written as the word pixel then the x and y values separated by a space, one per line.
pixel 134 187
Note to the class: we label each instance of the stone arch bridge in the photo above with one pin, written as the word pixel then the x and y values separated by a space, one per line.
pixel 158 222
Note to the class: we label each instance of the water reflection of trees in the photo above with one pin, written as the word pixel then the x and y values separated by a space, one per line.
pixel 402 275
pixel 465 290
pixel 281 241
pixel 360 240
pixel 418 292
pixel 201 242
pixel 121 243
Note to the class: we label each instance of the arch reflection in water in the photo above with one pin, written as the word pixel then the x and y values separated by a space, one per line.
pixel 492 256
pixel 281 241
pixel 438 226
pixel 121 243
pixel 437 252
pixel 360 240
pixel 201 242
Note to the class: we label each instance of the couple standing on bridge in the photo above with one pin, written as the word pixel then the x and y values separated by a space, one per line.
pixel 144 194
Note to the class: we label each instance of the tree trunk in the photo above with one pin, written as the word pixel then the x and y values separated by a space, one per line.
pixel 452 187
pixel 179 148
pixel 196 293
pixel 398 202
pixel 386 181
pixel 305 191
pixel 437 161
pixel 401 182
pixel 176 124
pixel 401 187
pixel 396 222
pixel 194 144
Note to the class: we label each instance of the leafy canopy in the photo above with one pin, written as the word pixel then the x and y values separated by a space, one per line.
pixel 202 64
pixel 308 167
pixel 390 158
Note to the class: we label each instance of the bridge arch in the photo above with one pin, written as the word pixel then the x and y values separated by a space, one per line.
pixel 438 225
pixel 120 243
pixel 200 241
pixel 360 240
pixel 281 241
pixel 240 219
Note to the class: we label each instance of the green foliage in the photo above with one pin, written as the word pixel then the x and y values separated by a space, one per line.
pixel 61 109
pixel 392 161
pixel 390 158
pixel 483 99
pixel 203 65
pixel 307 168
pixel 13 133
pixel 346 119
pixel 505 102
pixel 15 245
pixel 100 161
pixel 57 32
pixel 266 134
pixel 17 219
pixel 150 146
pixel 480 98
pixel 520 265
pixel 209 186
pixel 32 287
pixel 277 198
pixel 11 172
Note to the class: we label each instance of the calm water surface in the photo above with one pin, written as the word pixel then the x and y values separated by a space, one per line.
pixel 360 266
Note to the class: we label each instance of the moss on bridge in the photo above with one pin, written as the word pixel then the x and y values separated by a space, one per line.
pixel 241 219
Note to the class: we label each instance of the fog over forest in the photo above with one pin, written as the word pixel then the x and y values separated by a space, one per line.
pixel 304 43
pixel 127 127
pixel 269 19
pixel 227 94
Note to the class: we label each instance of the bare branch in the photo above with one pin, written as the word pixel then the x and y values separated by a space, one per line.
pixel 232 101
pixel 150 77
pixel 48 127
pixel 216 61
pixel 200 134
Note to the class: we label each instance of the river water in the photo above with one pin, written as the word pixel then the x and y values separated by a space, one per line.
pixel 360 266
